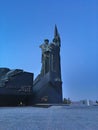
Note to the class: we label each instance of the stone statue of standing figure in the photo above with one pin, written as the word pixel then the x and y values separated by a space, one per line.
pixel 45 56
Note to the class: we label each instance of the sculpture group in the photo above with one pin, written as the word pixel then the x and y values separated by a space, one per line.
pixel 17 86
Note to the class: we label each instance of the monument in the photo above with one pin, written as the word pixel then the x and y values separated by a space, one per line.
pixel 15 87
pixel 47 87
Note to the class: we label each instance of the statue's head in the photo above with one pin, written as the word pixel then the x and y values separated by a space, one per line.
pixel 46 41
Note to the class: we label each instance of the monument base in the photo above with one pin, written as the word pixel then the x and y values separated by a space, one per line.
pixel 47 89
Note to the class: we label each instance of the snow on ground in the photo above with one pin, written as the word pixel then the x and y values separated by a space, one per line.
pixel 52 118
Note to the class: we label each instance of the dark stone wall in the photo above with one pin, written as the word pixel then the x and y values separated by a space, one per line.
pixel 18 90
pixel 21 83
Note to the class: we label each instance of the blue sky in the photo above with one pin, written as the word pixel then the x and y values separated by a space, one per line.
pixel 24 24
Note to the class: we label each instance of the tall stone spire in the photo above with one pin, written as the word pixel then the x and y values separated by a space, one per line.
pixel 55 31
pixel 56 39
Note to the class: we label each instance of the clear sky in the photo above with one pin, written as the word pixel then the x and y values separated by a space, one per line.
pixel 24 24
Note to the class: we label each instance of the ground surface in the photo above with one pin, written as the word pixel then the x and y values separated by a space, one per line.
pixel 52 118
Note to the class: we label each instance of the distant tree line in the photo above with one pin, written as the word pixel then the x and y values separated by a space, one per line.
pixel 97 102
pixel 66 101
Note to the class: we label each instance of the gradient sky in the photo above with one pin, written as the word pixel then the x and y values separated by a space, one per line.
pixel 24 24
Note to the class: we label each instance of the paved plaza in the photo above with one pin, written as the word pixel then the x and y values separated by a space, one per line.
pixel 52 118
